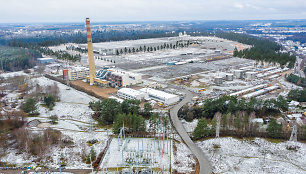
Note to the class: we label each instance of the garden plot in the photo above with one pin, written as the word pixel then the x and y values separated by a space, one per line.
pixel 229 155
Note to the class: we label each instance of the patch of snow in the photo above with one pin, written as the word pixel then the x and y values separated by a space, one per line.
pixel 257 156
pixel 190 126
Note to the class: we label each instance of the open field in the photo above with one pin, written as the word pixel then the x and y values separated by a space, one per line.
pixel 230 155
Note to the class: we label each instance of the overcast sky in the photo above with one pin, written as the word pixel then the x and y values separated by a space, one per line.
pixel 14 11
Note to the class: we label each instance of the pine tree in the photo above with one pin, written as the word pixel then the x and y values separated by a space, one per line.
pixel 29 106
pixel 274 129
pixel 201 130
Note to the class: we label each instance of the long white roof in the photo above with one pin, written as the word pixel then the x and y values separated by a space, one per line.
pixel 249 89
pixel 158 93
pixel 130 91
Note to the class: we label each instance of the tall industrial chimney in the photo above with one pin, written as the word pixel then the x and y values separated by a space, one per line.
pixel 91 60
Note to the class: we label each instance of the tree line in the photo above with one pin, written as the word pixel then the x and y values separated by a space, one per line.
pixel 231 104
pixel 301 37
pixel 80 37
pixel 150 48
pixel 242 124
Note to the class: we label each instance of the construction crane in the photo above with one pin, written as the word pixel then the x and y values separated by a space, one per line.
pixel 91 60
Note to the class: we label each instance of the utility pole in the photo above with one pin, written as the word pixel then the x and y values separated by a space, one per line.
pixel 60 166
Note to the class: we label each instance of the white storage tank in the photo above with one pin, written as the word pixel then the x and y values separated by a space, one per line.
pixel 229 77
pixel 218 80
pixel 250 75
pixel 238 74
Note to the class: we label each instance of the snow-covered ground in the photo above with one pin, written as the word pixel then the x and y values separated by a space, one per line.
pixel 254 156
pixel 190 126
pixel 73 104
pixel 184 161
pixel 72 155
pixel 13 74
pixel 74 123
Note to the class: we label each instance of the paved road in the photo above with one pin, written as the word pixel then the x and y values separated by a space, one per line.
pixel 300 71
pixel 205 166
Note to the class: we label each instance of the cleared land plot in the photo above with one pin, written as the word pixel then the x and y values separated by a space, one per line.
pixel 104 93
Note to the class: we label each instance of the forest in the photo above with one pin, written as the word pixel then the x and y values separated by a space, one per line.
pixel 297 95
pixel 232 104
pixel 300 81
pixel 301 37
pixel 15 59
pixel 111 112
pixel 261 50
pixel 98 36
pixel 237 117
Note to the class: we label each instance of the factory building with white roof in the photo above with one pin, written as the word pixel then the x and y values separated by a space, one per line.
pixel 161 96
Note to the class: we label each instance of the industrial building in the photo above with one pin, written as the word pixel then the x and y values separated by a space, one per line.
pixel 75 73
pixel 238 74
pixel 161 96
pixel 248 90
pixel 118 77
pixel 261 92
pixel 250 76
pixel 128 93
pixel 218 80
pixel 45 60
pixel 229 77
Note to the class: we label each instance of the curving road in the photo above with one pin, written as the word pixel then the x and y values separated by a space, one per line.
pixel 205 166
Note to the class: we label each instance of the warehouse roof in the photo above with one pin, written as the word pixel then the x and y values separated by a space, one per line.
pixel 158 93
pixel 130 91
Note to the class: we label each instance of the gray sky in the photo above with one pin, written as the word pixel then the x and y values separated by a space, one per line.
pixel 12 11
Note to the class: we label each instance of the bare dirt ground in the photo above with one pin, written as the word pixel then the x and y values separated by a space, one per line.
pixel 102 92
